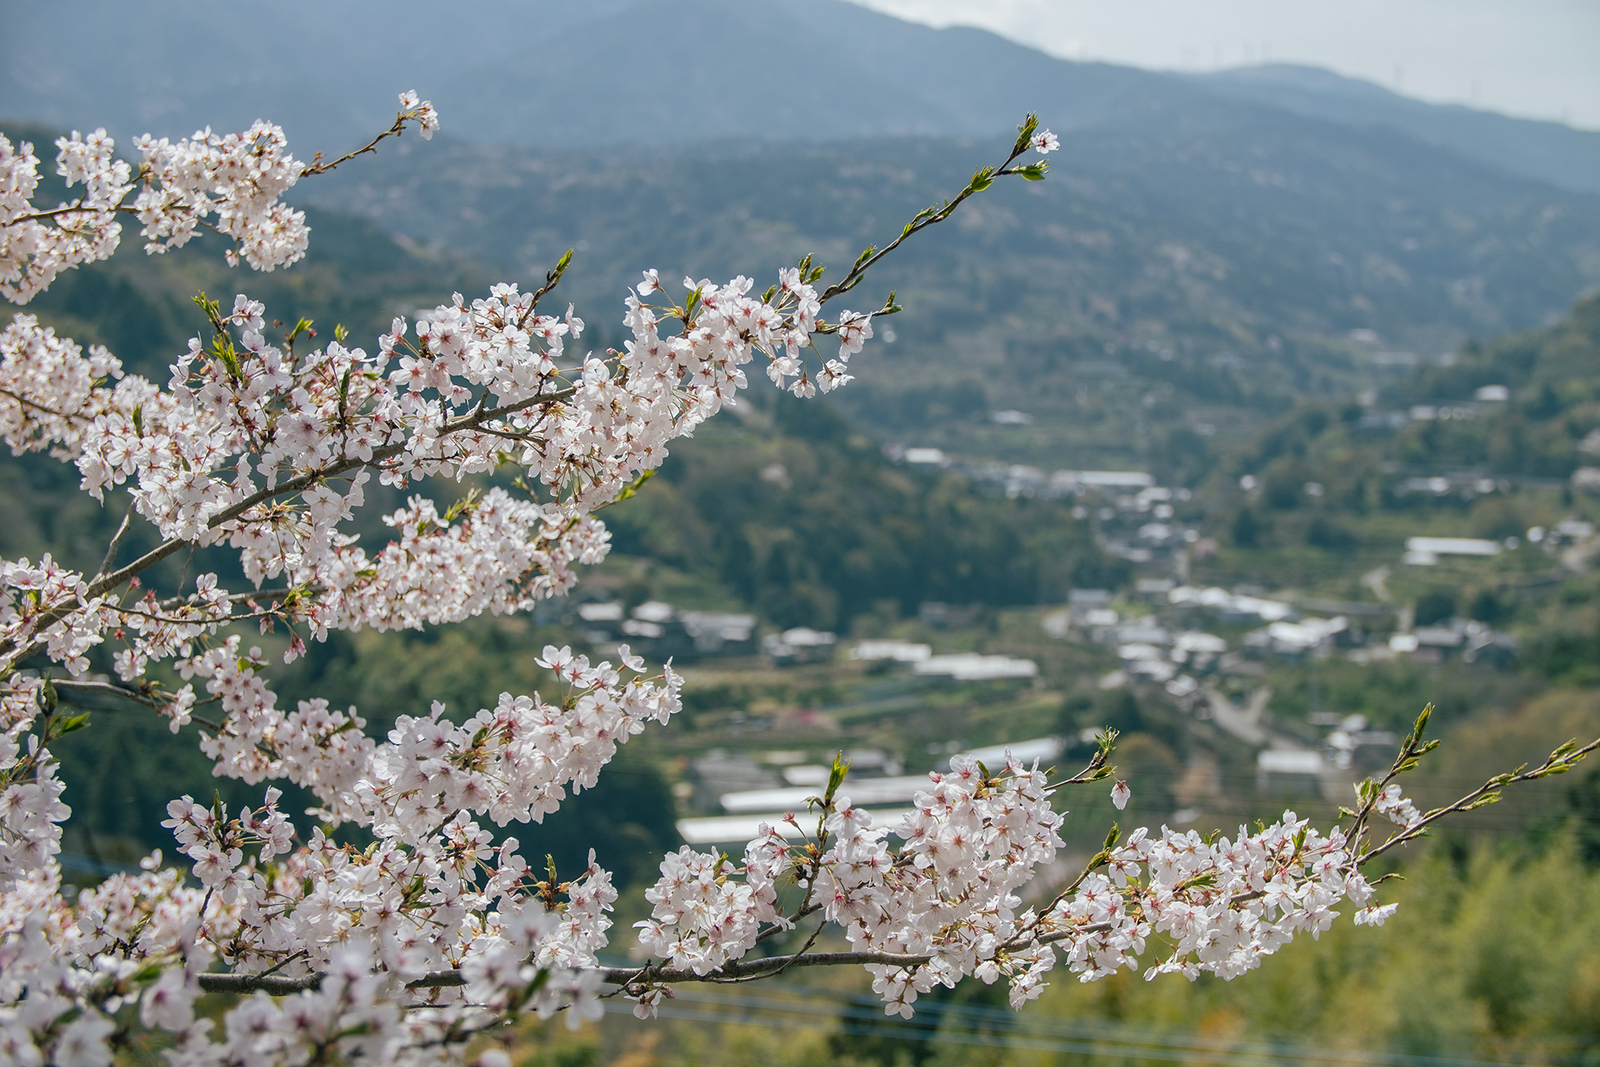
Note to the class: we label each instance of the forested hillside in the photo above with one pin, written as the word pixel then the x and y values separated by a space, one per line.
pixel 1161 281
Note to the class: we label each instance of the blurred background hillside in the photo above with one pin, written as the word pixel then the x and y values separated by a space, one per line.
pixel 1273 415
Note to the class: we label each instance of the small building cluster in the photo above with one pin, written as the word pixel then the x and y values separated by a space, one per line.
pixel 659 631
pixel 960 666
pixel 735 793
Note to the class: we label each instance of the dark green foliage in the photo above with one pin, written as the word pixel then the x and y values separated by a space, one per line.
pixel 812 526
pixel 1488 607
pixel 628 818
pixel 1569 656
pixel 1282 489
pixel 1435 606
pixel 1153 771
pixel 1329 534
pixel 121 772
pixel 1247 530
pixel 1583 800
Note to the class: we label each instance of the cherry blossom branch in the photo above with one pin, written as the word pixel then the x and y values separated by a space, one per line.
pixel 198 620
pixel 739 970
pixel 177 189
pixel 104 584
pixel 77 206
pixel 85 685
pixel 26 402
pixel 280 985
pixel 933 215
pixel 1563 759
pixel 146 699
pixel 320 166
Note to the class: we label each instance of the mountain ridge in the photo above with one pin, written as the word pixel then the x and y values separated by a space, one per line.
pixel 559 73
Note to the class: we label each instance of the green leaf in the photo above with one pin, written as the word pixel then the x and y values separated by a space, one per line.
pixel 836 776
pixel 71 724
pixel 229 358
pixel 462 506
pixel 212 309
pixel 1025 133
pixel 1422 722
pixel 631 488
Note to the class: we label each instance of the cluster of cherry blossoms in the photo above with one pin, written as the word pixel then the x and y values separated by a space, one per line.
pixel 437 930
pixel 944 905
pixel 267 449
pixel 434 893
pixel 228 183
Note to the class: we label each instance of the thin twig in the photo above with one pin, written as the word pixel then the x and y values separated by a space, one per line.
pixel 108 689
pixel 317 166
pixel 25 402
pixel 147 700
pixel 1544 770
pixel 116 542
pixel 860 268
pixel 221 620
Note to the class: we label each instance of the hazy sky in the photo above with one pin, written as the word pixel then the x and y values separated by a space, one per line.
pixel 1529 58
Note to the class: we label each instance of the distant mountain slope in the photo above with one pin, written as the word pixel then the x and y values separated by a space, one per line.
pixel 1548 151
pixel 1177 276
pixel 632 72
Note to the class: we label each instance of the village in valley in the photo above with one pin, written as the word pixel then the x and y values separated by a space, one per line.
pixel 770 708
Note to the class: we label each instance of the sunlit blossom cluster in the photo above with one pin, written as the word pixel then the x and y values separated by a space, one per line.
pixel 37 245
pixel 945 902
pixel 236 177
pixel 435 892
pixel 229 183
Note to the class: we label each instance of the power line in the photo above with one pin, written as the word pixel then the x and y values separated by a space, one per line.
pixel 850 1016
